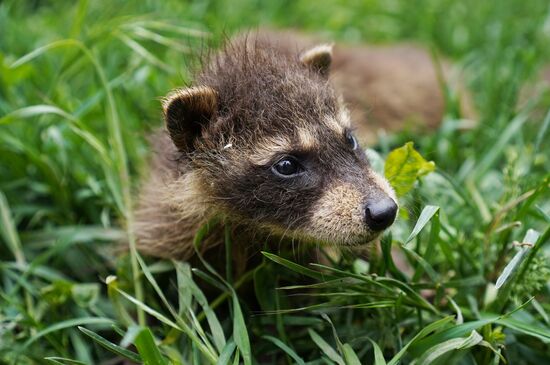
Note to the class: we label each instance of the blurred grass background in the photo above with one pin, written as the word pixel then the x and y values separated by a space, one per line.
pixel 80 84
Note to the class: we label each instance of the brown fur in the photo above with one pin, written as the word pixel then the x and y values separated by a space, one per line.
pixel 386 87
pixel 260 99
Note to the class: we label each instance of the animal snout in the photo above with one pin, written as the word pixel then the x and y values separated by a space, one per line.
pixel 380 214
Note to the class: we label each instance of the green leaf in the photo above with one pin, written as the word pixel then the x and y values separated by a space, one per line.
pixel 439 350
pixel 297 268
pixel 115 349
pixel 34 110
pixel 63 361
pixel 148 349
pixel 404 166
pixel 427 213
pixel 543 333
pixel 240 331
pixel 531 237
pixel 9 232
pixel 225 355
pixel 325 347
pixel 67 324
pixel 378 356
pixel 349 355
pixel 187 287
pixel 420 335
pixel 423 345
pixel 290 352
pixel 149 310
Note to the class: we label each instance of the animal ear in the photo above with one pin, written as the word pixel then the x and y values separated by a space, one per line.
pixel 318 58
pixel 186 111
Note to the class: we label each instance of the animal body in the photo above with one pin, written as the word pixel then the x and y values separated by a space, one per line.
pixel 265 144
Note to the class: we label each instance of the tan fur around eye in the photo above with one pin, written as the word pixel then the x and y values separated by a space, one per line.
pixel 270 146
pixel 335 125
pixel 307 139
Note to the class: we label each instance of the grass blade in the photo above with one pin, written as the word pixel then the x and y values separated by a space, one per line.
pixel 290 352
pixel 9 232
pixel 378 355
pixel 325 347
pixel 349 355
pixel 531 237
pixel 240 332
pixel 441 349
pixel 437 325
pixel 63 361
pixel 115 349
pixel 425 216
pixel 226 353
pixel 67 324
pixel 148 349
pixel 297 268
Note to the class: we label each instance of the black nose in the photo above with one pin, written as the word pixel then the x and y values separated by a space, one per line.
pixel 380 215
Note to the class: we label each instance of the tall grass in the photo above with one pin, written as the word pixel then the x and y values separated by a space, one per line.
pixel 79 90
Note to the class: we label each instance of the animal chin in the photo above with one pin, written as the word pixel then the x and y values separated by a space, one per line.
pixel 361 239
pixel 344 240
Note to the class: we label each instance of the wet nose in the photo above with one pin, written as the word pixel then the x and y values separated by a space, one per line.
pixel 380 214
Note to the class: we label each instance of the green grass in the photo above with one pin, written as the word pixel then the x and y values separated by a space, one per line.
pixel 80 84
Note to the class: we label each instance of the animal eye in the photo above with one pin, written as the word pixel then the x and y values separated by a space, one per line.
pixel 287 166
pixel 351 140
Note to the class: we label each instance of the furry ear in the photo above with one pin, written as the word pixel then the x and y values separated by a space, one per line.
pixel 318 58
pixel 186 111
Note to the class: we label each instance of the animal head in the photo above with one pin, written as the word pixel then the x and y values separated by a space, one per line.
pixel 272 145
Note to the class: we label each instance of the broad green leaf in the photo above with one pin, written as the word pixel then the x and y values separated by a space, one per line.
pixel 404 165
pixel 422 345
pixel 378 356
pixel 226 353
pixel 115 349
pixel 325 347
pixel 349 355
pixel 148 349
pixel 420 335
pixel 450 345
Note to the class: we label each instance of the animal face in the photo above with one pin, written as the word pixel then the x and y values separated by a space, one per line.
pixel 273 146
